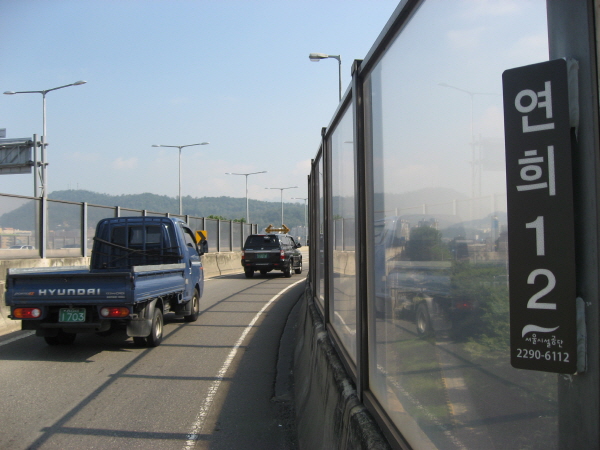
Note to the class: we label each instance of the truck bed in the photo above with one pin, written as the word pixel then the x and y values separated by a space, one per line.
pixel 80 285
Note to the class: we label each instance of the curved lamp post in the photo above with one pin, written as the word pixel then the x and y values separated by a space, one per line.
pixel 316 57
pixel 475 170
pixel 44 136
pixel 282 189
pixel 246 175
pixel 180 147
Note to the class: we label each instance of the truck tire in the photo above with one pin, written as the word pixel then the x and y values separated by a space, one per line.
pixel 249 273
pixel 195 308
pixel 422 320
pixel 156 335
pixel 61 338
pixel 298 269
pixel 287 272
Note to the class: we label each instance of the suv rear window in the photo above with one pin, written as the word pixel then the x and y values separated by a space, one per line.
pixel 265 241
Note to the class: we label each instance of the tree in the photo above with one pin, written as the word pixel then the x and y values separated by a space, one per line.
pixel 425 244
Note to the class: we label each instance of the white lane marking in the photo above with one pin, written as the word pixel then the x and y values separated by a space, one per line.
pixel 8 341
pixel 196 427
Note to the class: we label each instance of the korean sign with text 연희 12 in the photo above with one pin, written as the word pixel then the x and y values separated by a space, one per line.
pixel 541 248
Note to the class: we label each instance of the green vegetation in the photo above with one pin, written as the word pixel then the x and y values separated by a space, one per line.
pixel 425 244
pixel 485 287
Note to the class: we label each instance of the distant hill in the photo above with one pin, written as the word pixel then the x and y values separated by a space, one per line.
pixel 261 212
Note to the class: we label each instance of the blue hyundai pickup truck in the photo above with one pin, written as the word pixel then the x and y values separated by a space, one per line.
pixel 140 269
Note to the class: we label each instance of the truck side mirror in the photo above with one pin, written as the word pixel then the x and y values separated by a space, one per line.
pixel 202 240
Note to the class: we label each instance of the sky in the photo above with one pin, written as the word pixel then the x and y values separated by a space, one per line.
pixel 235 74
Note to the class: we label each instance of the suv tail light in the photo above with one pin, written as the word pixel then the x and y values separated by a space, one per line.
pixel 282 255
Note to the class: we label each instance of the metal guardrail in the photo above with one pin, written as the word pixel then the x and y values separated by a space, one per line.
pixel 44 228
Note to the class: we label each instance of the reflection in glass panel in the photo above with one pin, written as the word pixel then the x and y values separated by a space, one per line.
pixel 439 361
pixel 318 242
pixel 343 301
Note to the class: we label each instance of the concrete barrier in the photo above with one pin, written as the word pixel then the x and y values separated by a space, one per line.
pixel 229 262
pixel 328 412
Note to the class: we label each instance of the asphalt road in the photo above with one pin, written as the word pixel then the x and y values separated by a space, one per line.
pixel 210 384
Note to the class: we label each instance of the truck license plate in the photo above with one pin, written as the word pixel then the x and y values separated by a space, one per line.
pixel 261 256
pixel 71 315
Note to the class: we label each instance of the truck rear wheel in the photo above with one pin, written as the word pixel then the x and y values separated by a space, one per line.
pixel 249 273
pixel 195 308
pixel 422 320
pixel 298 269
pixel 61 338
pixel 156 335
pixel 287 272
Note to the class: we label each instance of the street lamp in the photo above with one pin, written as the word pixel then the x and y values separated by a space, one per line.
pixel 475 172
pixel 246 175
pixel 316 57
pixel 180 147
pixel 305 222
pixel 282 189
pixel 44 136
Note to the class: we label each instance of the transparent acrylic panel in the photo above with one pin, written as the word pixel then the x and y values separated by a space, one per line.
pixel 125 212
pixel 247 230
pixel 94 215
pixel 349 234
pixel 438 346
pixel 195 223
pixel 64 229
pixel 212 228
pixel 319 243
pixel 18 224
pixel 343 303
pixel 237 236
pixel 338 234
pixel 225 236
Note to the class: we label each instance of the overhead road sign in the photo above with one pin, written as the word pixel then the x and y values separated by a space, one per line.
pixel 16 156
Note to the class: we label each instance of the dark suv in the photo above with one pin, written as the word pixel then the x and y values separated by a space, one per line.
pixel 267 252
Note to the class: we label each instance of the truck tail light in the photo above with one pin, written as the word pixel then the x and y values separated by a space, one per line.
pixel 282 255
pixel 243 254
pixel 114 312
pixel 27 313
pixel 463 305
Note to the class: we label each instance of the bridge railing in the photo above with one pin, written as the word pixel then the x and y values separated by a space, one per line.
pixel 31 229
